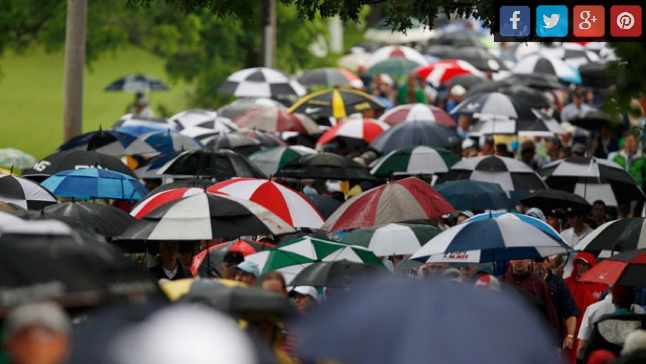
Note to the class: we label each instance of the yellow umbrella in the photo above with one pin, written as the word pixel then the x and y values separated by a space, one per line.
pixel 176 289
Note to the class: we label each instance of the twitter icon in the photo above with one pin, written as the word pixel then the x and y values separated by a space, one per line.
pixel 551 21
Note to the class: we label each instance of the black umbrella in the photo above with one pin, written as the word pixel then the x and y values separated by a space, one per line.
pixel 537 81
pixel 239 143
pixel 137 83
pixel 480 58
pixel 416 132
pixel 468 81
pixel 341 273
pixel 621 235
pixel 110 142
pixel 325 166
pixel 324 205
pixel 549 199
pixel 211 162
pixel 497 104
pixel 527 95
pixel 597 75
pixel 267 139
pixel 336 102
pixel 75 159
pixel 25 193
pixel 591 119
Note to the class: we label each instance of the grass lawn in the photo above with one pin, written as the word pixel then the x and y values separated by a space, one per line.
pixel 31 96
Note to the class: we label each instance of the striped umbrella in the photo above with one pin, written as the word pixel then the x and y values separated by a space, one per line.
pixel 392 239
pixel 395 51
pixel 412 112
pixel 627 269
pixel 152 202
pixel 615 236
pixel 419 160
pixel 269 161
pixel 260 82
pixel 276 119
pixel 357 129
pixel 442 71
pixel 338 103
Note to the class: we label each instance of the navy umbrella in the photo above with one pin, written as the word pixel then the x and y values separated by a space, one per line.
pixel 324 205
pixel 416 132
pixel 137 82
pixel 474 195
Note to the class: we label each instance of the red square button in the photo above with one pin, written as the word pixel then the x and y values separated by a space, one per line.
pixel 589 21
pixel 625 21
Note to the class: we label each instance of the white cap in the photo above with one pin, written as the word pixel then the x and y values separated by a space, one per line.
pixel 306 291
pixel 458 90
pixel 468 143
pixel 356 83
pixel 386 79
pixel 569 128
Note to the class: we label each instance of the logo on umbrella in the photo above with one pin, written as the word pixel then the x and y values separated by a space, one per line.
pixel 40 166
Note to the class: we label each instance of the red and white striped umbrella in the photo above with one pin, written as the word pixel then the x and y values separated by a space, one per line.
pixel 440 72
pixel 421 112
pixel 158 199
pixel 288 204
pixel 361 129
pixel 392 51
pixel 276 119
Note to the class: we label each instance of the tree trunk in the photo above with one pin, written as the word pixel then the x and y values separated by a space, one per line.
pixel 267 33
pixel 74 67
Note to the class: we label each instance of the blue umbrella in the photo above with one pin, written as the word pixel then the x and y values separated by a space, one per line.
pixel 416 132
pixel 392 320
pixel 110 142
pixel 92 183
pixel 165 141
pixel 525 218
pixel 137 130
pixel 474 195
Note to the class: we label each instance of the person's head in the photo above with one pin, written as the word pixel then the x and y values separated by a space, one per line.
pixel 501 150
pixel 152 183
pixel 168 251
pixel 598 210
pixel 412 80
pixel 267 239
pixel 535 212
pixel 487 281
pixel 630 143
pixel 273 281
pixel 304 297
pixel 435 269
pixel 519 267
pixel 468 271
pixel 527 150
pixel 464 215
pixel 555 218
pixel 457 93
pixel 246 272
pixel 541 267
pixel 552 144
pixel 582 263
pixel 623 296
pixel 575 216
pixel 186 252
pixel 487 145
pixel 578 150
pixel 37 333
pixel 578 97
pixel 230 260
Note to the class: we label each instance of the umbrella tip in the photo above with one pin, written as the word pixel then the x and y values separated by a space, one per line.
pixel 11 170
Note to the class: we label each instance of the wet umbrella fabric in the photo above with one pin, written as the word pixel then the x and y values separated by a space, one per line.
pixel 25 193
pixel 92 183
pixel 414 133
pixel 414 161
pixel 627 269
pixel 267 139
pixel 325 205
pixel 14 158
pixel 354 130
pixel 241 105
pixel 137 82
pixel 276 119
pixel 239 143
pixel 211 162
pixel 109 142
pixel 327 77
pixel 338 103
pixel 443 71
pixel 340 273
pixel 207 263
pixel 326 166
pixel 260 82
pixel 392 239
pixel 396 66
pixel 550 198
pixel 547 65
pixel 480 58
pixel 152 201
pixel 412 112
pixel 75 159
pixel 269 161
pixel 615 236
pixel 474 195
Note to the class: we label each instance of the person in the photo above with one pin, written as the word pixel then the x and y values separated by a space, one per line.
pixel 247 272
pixel 552 148
pixel 464 123
pixel 556 218
pixel 464 215
pixel 633 161
pixel 305 297
pixel 142 108
pixel 37 333
pixel 528 154
pixel 578 228
pixel 230 259
pixel 576 106
pixel 132 107
pixel 598 213
pixel 274 281
pixel 605 142
pixel 432 269
pixel 410 92
pixel 170 266
pixel 457 95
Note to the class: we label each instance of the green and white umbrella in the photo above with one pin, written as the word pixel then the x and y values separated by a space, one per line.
pixel 271 160
pixel 412 161
pixel 392 239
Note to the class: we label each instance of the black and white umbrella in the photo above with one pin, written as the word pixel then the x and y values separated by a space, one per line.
pixel 509 173
pixel 537 63
pixel 244 104
pixel 572 53
pixel 137 82
pixel 136 120
pixel 496 104
pixel 239 143
pixel 25 193
pixel 541 125
pixel 260 82
pixel 202 119
pixel 75 159
pixel 593 179
pixel 615 236
pixel 211 162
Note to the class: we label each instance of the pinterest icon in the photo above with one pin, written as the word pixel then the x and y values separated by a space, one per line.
pixel 626 21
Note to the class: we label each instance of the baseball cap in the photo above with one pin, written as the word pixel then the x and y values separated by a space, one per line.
pixel 578 148
pixel 488 281
pixel 249 267
pixel 466 213
pixel 44 314
pixel 306 291
pixel 468 143
pixel 458 90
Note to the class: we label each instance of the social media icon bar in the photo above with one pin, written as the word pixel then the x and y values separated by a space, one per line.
pixel 588 21
pixel 515 21
pixel 625 21
pixel 551 20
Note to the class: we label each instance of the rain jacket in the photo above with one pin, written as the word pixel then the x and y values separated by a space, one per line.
pixel 635 165
pixel 611 330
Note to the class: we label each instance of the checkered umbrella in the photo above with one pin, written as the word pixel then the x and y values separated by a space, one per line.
pixel 24 193
pixel 260 82
pixel 137 83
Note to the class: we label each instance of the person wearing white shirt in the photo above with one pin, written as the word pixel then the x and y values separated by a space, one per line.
pixel 577 106
pixel 578 229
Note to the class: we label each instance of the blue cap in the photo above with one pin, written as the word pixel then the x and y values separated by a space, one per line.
pixel 249 267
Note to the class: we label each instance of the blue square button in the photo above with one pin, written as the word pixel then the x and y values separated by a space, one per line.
pixel 515 21
pixel 551 20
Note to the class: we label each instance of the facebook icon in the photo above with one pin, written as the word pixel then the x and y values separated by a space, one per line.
pixel 514 21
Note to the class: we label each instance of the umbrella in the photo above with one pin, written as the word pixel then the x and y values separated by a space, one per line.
pixel 593 179
pixel 325 166
pixel 440 72
pixel 626 269
pixel 597 74
pixel 239 143
pixel 152 201
pixel 435 313
pixel 336 102
pixel 93 183
pixel 480 58
pixel 150 167
pixel 211 162
pixel 383 33
pixel 14 158
pixel 414 133
pixel 138 120
pixel 276 119
pixel 573 54
pixel 591 119
pixel 269 161
pixel 328 77
pixel 202 118
pixel 166 142
pixel 494 103
pixel 137 130
pixel 547 228
pixel 267 140
pixel 540 125
pixel 25 193
pixel 538 81
pixel 395 51
pixel 510 174
pixel 109 142
pixel 467 81
pixel 353 61
pixel 206 216
pixel 245 104
pixel 288 204
pixel 489 240
pixel 324 205
pixel 137 82
pixel 392 239
pixel 548 65
pixel 474 195
pixel 354 130
pixel 622 235
pixel 549 199
pixel 418 160
pixel 397 66
pixel 207 262
pixel 413 112
pixel 404 200
pixel 75 159
pixel 527 95
pixel 201 183
pixel 341 273
pixel 260 82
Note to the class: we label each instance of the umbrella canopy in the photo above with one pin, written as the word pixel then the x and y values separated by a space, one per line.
pixel 25 193
pixel 211 162
pixel 326 166
pixel 434 313
pixel 397 66
pixel 482 59
pixel 239 143
pixel 201 183
pixel 539 81
pixel 392 239
pixel 548 65
pixel 138 120
pixel 540 125
pixel 413 161
pixel 245 104
pixel 192 117
pixel 572 53
pixel 15 158
pixel 412 112
pixel 627 269
pixel 527 95
pixel 591 119
pixel 467 81
pixel 597 74
pixel 328 76
pixel 615 236
pixel 288 204
pixel 353 61
pixel 324 205
pixel 593 179
pixel 547 228
pixel 269 161
pixel 489 240
pixel 206 216
pixel 494 103
pixel 510 174
pixel 440 72
pixel 150 167
pixel 474 195
pixel 207 263
pixel 276 119
pixel 260 82
pixel 403 200
pixel 166 142
pixel 92 183
pixel 341 273
pixel 153 201
pixel 137 82
pixel 109 142
pixel 336 102
pixel 75 159
pixel 414 133
pixel 395 51
pixel 549 199
pixel 357 129
pixel 383 33
pixel 462 38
